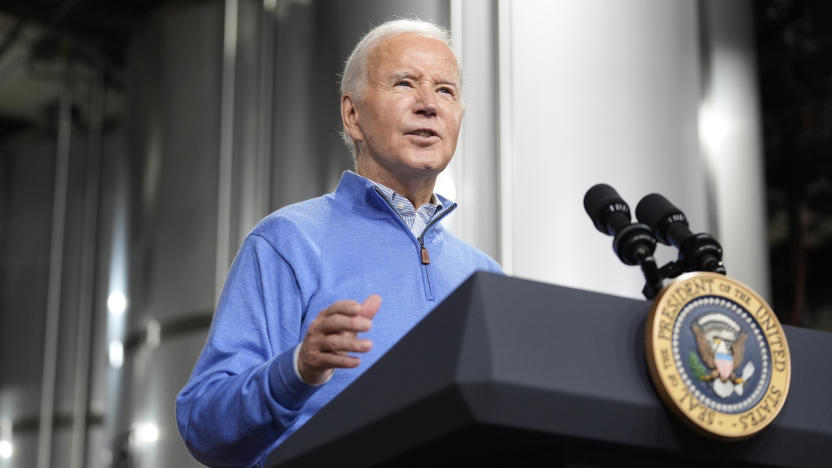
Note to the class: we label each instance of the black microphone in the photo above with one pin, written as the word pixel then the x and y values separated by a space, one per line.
pixel 669 224
pixel 607 210
pixel 633 242
pixel 697 252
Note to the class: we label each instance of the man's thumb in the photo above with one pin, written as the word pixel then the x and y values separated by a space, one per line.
pixel 371 306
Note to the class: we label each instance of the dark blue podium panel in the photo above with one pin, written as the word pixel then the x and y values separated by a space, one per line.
pixel 510 372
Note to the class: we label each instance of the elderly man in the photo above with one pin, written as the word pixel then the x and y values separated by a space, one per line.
pixel 289 314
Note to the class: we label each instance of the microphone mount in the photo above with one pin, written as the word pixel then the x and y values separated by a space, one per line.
pixel 697 252
pixel 635 243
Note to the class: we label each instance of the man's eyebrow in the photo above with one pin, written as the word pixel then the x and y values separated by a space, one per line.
pixel 408 74
pixel 399 75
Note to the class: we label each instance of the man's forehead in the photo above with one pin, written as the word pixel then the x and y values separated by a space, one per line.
pixel 410 54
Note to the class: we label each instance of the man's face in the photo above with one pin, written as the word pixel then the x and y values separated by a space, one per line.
pixel 409 116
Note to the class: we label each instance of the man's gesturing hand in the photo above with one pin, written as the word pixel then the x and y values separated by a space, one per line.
pixel 332 335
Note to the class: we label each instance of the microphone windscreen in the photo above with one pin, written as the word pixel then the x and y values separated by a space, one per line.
pixel 657 212
pixel 601 200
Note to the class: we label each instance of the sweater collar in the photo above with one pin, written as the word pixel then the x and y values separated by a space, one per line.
pixel 358 194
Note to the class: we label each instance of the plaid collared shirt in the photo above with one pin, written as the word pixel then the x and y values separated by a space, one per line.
pixel 416 220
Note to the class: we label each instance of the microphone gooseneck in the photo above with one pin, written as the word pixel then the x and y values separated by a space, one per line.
pixel 658 221
pixel 697 252
pixel 633 243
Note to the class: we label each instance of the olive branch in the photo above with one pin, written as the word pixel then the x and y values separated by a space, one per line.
pixel 696 365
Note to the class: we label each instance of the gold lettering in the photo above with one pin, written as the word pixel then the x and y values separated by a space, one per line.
pixel 759 310
pixel 769 325
pixel 780 365
pixel 690 289
pixel 766 321
pixel 665 330
pixel 706 416
pixel 754 420
pixel 778 352
pixel 778 349
pixel 670 311
pixel 666 363
pixel 773 396
pixel 741 296
pixel 760 414
pixel 673 302
pixel 697 287
pixel 693 403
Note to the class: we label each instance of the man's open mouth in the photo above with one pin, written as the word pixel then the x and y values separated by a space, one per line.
pixel 423 132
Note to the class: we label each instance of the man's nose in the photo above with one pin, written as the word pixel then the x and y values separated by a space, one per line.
pixel 426 102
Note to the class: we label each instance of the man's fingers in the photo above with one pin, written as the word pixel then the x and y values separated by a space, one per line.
pixel 346 307
pixel 335 361
pixel 370 306
pixel 343 323
pixel 348 344
pixel 332 335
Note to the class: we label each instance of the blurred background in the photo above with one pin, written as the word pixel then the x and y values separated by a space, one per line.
pixel 141 140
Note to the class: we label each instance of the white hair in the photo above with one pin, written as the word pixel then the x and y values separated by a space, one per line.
pixel 355 76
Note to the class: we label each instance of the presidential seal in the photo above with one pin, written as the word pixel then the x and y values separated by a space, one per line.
pixel 717 355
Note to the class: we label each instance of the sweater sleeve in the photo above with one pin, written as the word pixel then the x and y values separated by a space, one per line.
pixel 244 393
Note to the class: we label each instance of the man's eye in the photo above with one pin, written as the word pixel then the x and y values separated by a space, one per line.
pixel 446 91
pixel 402 83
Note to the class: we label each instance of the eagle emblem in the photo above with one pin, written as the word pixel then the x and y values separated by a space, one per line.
pixel 723 366
pixel 721 345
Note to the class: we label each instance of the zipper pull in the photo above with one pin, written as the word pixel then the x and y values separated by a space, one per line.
pixel 425 256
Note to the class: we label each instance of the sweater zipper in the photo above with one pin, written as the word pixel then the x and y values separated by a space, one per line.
pixel 424 255
pixel 421 239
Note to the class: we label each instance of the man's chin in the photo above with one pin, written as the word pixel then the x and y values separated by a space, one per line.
pixel 412 163
pixel 426 168
pixel 425 161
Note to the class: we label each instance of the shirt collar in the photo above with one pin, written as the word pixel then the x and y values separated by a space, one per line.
pixel 396 198
pixel 358 193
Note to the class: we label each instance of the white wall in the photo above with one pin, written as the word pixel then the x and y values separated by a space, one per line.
pixel 587 92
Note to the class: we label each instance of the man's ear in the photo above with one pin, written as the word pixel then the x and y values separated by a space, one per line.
pixel 349 116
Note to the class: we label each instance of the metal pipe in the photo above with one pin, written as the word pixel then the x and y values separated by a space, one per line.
pixel 226 156
pixel 86 287
pixel 265 119
pixel 56 258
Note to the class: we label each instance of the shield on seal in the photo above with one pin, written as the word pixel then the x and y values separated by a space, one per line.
pixel 724 364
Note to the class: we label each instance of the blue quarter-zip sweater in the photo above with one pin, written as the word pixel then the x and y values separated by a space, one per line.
pixel 244 397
